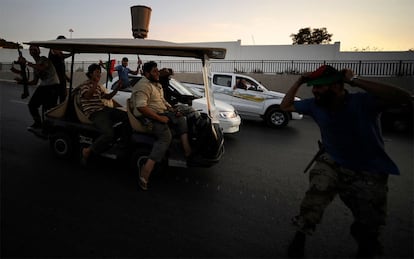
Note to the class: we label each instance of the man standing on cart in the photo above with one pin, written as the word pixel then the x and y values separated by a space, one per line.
pixel 46 93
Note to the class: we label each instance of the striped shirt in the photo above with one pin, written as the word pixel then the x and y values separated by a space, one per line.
pixel 95 103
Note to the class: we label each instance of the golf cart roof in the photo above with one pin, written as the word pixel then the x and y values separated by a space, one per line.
pixel 131 46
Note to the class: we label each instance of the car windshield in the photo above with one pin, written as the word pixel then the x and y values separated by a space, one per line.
pixel 132 82
pixel 182 89
pixel 197 91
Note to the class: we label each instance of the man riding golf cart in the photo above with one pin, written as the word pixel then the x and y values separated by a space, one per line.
pixel 67 130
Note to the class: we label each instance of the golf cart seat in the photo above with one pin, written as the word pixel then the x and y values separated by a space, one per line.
pixel 59 111
pixel 81 115
pixel 135 123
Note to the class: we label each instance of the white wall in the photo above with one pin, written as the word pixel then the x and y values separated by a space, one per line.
pixel 377 55
pixel 331 52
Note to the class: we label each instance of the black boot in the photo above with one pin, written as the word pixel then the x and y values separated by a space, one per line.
pixel 369 249
pixel 368 244
pixel 296 248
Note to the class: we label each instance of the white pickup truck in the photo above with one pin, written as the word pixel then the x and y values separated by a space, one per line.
pixel 250 98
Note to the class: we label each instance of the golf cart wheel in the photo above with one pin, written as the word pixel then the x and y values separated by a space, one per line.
pixel 61 145
pixel 139 157
pixel 276 118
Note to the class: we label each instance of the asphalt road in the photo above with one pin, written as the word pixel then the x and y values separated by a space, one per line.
pixel 241 207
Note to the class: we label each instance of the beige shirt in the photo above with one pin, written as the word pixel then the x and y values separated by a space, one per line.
pixel 148 94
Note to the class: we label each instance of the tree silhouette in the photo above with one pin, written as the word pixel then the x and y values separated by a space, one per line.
pixel 311 36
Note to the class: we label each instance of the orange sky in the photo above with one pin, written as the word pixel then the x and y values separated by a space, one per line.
pixel 369 24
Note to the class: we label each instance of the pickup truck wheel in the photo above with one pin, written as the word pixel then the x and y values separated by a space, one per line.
pixel 61 145
pixel 276 118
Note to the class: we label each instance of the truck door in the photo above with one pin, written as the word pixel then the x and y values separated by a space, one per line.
pixel 222 85
pixel 247 96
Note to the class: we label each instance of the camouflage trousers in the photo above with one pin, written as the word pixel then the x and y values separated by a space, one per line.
pixel 365 194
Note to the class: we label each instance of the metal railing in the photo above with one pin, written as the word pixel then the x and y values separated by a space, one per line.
pixel 362 68
pixel 390 68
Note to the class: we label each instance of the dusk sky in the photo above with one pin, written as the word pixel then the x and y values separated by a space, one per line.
pixel 383 25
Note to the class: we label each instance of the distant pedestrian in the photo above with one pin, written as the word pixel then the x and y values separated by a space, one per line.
pixel 124 71
pixel 353 163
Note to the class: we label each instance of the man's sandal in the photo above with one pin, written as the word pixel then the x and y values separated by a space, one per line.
pixel 83 159
pixel 143 184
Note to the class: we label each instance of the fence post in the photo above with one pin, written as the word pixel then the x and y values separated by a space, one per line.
pixel 400 73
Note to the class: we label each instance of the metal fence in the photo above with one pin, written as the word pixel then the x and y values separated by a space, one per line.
pixel 363 68
pixel 390 68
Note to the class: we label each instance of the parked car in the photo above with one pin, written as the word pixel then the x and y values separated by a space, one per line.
pixel 250 98
pixel 228 117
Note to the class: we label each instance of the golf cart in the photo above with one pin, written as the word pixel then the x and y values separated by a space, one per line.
pixel 68 129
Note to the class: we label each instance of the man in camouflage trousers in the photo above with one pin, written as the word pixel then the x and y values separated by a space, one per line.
pixel 353 163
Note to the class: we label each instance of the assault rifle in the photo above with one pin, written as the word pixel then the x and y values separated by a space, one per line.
pixel 318 154
pixel 23 73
